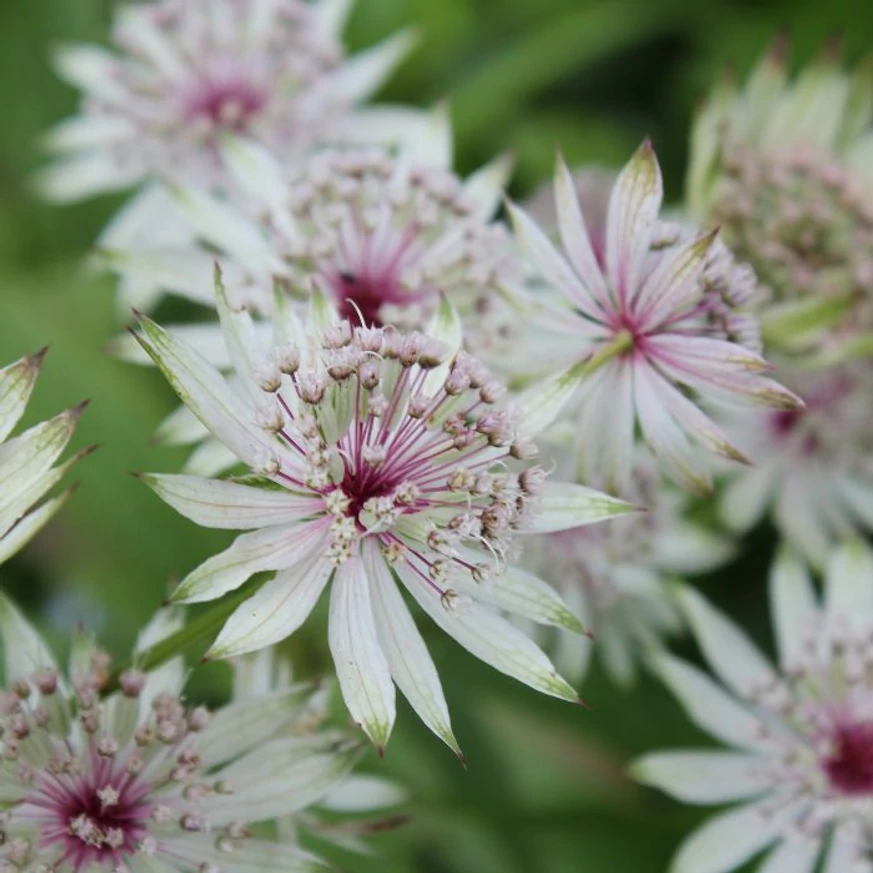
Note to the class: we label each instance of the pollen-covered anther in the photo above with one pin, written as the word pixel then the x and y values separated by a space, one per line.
pixel 287 359
pixel 108 796
pixel 267 464
pixel 373 456
pixel 238 830
pixel 192 823
pixel 310 387
pixel 21 689
pixel 269 378
pixel 369 374
pixel 107 747
pixel 90 721
pixel 132 682
pixel 199 719
pixel 532 480
pixel 46 680
pixel 271 418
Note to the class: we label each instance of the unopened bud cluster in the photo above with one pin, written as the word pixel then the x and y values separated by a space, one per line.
pixel 804 223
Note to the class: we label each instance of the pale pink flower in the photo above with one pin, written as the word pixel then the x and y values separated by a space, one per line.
pixel 783 164
pixel 184 83
pixel 656 318
pixel 137 779
pixel 616 576
pixel 377 458
pixel 799 767
pixel 382 232
pixel 813 470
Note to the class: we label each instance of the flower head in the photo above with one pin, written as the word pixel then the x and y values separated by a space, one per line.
pixel 784 168
pixel 378 457
pixel 615 576
pixel 800 733
pixel 185 82
pixel 814 466
pixel 27 471
pixel 655 316
pixel 380 232
pixel 138 778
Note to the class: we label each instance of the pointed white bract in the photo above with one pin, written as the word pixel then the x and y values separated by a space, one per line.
pixel 27 461
pixel 186 86
pixel 381 461
pixel 656 314
pixel 813 472
pixel 616 576
pixel 802 731
pixel 138 780
pixel 784 167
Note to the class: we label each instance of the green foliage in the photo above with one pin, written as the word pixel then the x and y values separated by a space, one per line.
pixel 545 789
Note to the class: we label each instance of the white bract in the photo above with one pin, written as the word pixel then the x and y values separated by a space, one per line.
pixel 654 311
pixel 359 803
pixel 813 467
pixel 801 733
pixel 27 471
pixel 376 458
pixel 186 84
pixel 138 781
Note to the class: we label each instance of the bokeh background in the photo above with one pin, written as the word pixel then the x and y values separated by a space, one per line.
pixel 545 788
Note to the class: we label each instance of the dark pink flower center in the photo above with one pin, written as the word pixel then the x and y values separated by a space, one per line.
pixel 93 819
pixel 786 420
pixel 362 294
pixel 850 765
pixel 226 103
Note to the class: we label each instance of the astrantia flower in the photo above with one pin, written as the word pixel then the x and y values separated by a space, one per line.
pixel 655 316
pixel 813 466
pixel 186 81
pixel 614 576
pixel 801 733
pixel 377 457
pixel 138 780
pixel 380 232
pixel 785 168
pixel 27 470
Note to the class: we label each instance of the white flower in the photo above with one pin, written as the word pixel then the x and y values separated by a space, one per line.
pixel 377 458
pixel 186 83
pixel 380 231
pixel 139 781
pixel 801 735
pixel 27 471
pixel 655 317
pixel 814 466
pixel 784 167
pixel 616 576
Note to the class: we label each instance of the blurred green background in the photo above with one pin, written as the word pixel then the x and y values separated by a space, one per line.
pixel 545 789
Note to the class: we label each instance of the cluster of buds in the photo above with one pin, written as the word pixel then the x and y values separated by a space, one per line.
pixel 418 435
pixel 96 781
pixel 383 237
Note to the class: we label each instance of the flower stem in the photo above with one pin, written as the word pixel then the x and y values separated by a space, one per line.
pixel 622 342
pixel 201 629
